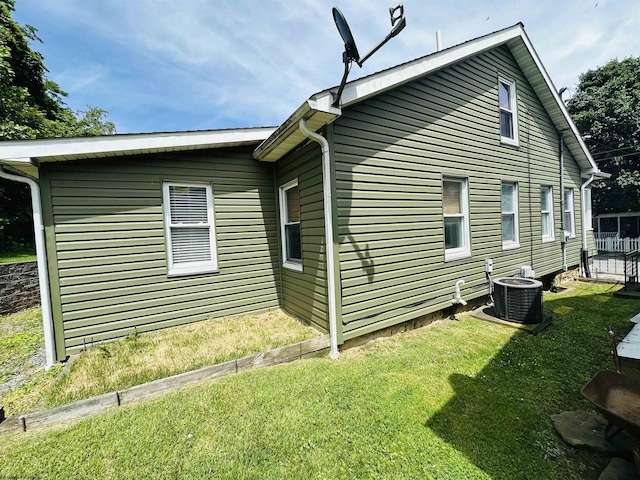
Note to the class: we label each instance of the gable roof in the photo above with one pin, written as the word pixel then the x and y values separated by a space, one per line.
pixel 24 156
pixel 515 38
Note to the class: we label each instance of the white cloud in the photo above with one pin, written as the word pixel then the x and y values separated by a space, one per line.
pixel 214 64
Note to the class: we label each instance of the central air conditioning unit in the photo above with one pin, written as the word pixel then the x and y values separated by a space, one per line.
pixel 518 300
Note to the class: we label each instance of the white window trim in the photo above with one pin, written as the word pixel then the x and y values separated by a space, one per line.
pixel 464 251
pixel 552 236
pixel 572 232
pixel 190 267
pixel 510 245
pixel 291 264
pixel 513 109
pixel 587 216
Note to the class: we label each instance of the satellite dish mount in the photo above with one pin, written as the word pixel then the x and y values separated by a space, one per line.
pixel 350 54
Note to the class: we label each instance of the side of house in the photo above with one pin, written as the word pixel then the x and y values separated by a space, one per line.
pixel 425 172
pixel 301 213
pixel 427 191
pixel 152 241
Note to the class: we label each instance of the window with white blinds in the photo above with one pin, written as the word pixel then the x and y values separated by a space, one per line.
pixel 191 244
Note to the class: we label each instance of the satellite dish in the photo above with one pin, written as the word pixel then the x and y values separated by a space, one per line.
pixel 350 54
pixel 345 32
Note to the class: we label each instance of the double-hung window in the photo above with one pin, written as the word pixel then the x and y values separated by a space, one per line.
pixel 510 215
pixel 546 213
pixel 508 111
pixel 569 217
pixel 190 231
pixel 456 218
pixel 290 225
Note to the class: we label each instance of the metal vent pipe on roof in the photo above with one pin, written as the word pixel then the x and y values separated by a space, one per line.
pixel 438 41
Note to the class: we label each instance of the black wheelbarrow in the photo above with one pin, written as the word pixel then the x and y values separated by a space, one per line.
pixel 617 397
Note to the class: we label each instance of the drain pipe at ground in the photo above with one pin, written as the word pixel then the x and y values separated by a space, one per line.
pixel 457 298
pixel 43 274
pixel 328 235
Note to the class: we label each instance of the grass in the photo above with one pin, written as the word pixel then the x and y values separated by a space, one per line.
pixel 145 357
pixel 20 338
pixel 21 342
pixel 18 254
pixel 455 400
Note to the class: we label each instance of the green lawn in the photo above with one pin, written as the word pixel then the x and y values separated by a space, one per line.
pixel 19 254
pixel 455 400
pixel 137 359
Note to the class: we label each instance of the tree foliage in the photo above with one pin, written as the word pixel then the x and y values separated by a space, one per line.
pixel 606 110
pixel 31 106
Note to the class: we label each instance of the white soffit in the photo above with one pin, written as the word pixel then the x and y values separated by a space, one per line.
pixel 60 149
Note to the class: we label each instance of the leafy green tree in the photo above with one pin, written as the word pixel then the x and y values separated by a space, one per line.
pixel 606 110
pixel 31 106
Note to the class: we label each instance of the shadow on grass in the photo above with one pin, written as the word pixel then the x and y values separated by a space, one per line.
pixel 494 417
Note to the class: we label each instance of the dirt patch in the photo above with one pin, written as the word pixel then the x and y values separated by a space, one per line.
pixel 24 372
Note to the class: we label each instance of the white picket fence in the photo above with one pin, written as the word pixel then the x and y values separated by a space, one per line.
pixel 615 244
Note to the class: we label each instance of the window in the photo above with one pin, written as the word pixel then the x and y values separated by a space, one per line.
pixel 588 212
pixel 510 215
pixel 456 218
pixel 569 219
pixel 546 213
pixel 290 225
pixel 188 213
pixel 508 111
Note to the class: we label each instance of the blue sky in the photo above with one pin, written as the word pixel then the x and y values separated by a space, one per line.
pixel 165 65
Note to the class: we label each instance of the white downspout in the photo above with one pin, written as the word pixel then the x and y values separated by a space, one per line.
pixel 583 187
pixel 584 260
pixel 43 274
pixel 328 236
pixel 563 239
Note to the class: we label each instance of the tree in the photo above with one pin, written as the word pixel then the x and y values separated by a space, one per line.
pixel 606 110
pixel 31 106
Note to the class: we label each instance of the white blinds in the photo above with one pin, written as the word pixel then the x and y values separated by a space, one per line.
pixel 190 245
pixel 188 204
pixel 189 221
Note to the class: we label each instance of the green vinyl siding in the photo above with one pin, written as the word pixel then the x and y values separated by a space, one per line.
pixel 391 154
pixel 304 294
pixel 110 243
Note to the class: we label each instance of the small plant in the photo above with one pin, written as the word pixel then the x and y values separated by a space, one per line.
pixel 104 352
pixel 133 336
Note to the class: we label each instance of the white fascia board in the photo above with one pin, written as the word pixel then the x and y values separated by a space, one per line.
pixel 290 125
pixel 51 149
pixel 361 89
pixel 19 161
pixel 596 174
pixel 534 55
